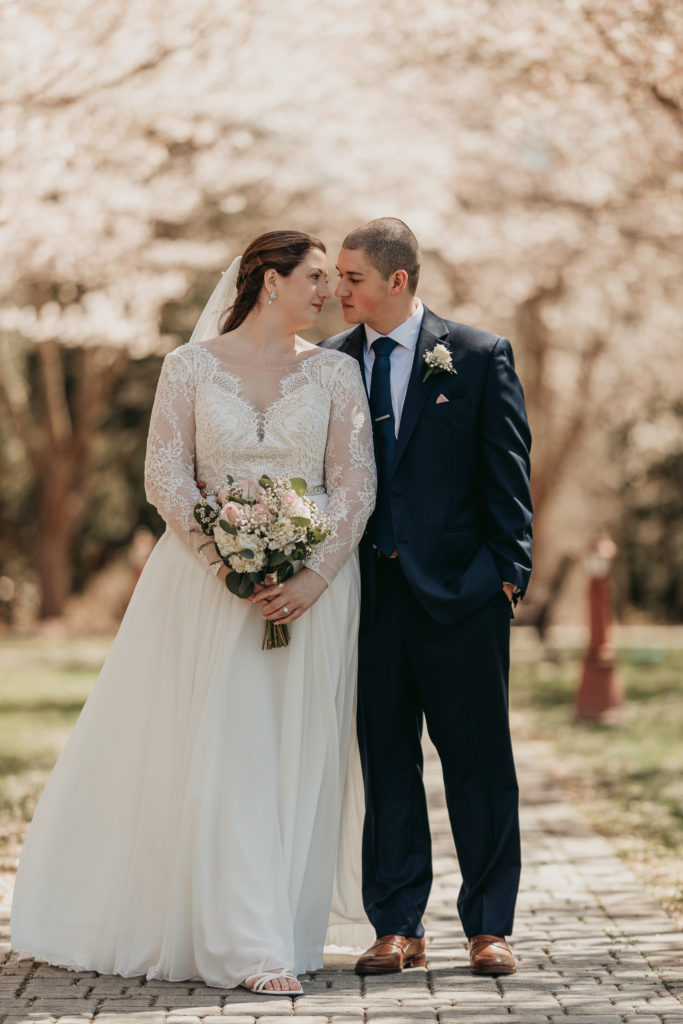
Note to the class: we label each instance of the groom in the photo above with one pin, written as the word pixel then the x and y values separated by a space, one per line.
pixel 445 555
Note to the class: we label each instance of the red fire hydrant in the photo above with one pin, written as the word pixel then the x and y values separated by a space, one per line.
pixel 600 695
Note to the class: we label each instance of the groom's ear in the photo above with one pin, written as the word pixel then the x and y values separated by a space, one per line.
pixel 399 282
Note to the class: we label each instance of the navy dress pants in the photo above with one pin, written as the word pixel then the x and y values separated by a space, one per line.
pixel 456 677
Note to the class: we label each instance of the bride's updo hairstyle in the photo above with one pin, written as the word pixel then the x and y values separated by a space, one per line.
pixel 277 250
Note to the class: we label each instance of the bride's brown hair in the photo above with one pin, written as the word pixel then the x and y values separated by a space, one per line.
pixel 280 250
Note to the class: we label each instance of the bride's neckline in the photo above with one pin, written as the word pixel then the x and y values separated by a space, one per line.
pixel 226 359
pixel 260 416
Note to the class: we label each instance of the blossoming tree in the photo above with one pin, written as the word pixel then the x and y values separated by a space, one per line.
pixel 535 150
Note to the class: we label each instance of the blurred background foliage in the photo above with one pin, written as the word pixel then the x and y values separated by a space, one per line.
pixel 536 150
pixel 649 528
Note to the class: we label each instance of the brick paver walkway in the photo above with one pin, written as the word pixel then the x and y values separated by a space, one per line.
pixel 591 946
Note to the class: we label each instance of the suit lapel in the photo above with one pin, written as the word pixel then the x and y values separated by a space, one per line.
pixel 433 330
pixel 354 345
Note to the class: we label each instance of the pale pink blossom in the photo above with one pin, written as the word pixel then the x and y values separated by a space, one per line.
pixel 233 512
pixel 291 504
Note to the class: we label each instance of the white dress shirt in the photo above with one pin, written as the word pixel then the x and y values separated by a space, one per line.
pixel 401 359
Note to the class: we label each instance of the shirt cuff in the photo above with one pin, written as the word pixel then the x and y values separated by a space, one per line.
pixel 516 591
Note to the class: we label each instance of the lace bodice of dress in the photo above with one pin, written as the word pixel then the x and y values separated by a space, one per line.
pixel 317 426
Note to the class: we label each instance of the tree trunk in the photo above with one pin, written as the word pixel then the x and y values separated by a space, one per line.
pixel 58 443
pixel 60 502
pixel 55 535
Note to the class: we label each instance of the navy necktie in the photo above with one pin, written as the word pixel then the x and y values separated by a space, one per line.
pixel 384 432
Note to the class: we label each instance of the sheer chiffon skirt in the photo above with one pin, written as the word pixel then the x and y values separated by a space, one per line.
pixel 191 826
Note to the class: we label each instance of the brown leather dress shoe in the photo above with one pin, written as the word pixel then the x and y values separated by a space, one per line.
pixel 392 953
pixel 490 954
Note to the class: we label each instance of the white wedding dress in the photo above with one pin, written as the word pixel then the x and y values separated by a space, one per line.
pixel 193 822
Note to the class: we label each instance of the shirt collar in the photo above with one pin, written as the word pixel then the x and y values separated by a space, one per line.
pixel 406 334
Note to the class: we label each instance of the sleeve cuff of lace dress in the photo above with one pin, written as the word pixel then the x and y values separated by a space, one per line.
pixel 322 570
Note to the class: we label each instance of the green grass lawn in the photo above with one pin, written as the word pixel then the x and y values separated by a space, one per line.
pixel 627 777
pixel 43 685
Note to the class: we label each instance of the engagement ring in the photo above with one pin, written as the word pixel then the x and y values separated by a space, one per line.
pixel 285 609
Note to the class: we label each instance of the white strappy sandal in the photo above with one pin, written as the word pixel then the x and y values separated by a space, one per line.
pixel 261 980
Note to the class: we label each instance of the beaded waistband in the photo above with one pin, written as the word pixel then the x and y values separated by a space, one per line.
pixel 320 489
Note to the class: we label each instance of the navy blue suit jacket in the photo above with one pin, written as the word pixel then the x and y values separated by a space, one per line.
pixel 460 498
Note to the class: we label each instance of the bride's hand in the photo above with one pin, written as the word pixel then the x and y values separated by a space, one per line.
pixel 286 601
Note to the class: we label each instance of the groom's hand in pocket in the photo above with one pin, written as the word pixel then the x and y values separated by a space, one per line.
pixel 285 602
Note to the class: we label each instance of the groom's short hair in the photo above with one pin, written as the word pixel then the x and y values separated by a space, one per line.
pixel 389 245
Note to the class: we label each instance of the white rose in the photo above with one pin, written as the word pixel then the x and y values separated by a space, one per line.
pixel 241 564
pixel 226 543
pixel 248 540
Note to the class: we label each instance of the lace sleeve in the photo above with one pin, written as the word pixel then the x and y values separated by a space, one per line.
pixel 169 463
pixel 350 478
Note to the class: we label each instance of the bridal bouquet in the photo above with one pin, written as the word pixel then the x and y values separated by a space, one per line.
pixel 259 529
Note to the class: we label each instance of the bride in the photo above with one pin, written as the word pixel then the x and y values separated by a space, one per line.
pixel 193 822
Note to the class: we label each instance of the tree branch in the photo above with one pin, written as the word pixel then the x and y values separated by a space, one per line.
pixel 67 100
pixel 667 101
pixel 57 415
pixel 105 33
pixel 15 398
pixel 93 388
pixel 559 452
pixel 638 79
pixel 41 101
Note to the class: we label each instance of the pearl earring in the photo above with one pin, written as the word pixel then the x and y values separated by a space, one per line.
pixel 273 296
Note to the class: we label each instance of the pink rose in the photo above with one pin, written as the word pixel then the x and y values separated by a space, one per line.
pixel 259 509
pixel 250 489
pixel 233 512
pixel 223 495
pixel 291 504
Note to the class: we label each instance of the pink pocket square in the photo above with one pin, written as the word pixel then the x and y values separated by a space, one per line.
pixel 440 399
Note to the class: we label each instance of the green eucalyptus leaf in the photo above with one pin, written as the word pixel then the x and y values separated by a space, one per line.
pixel 301 521
pixel 276 558
pixel 246 553
pixel 266 482
pixel 298 485
pixel 246 587
pixel 232 582
pixel 228 527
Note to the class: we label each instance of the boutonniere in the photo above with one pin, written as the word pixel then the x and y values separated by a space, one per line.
pixel 438 360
